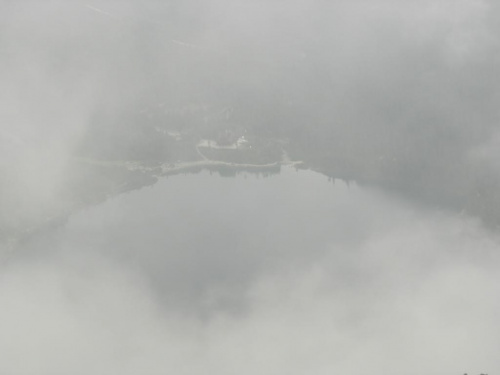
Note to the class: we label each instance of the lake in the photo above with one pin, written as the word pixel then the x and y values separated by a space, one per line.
pixel 255 275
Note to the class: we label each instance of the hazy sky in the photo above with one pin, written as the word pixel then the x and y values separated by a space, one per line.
pixel 285 275
pixel 408 84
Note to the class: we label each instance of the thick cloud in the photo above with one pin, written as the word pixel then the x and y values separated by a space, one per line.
pixel 397 93
pixel 350 280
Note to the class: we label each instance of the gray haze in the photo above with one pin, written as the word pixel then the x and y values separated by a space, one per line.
pixel 283 275
pixel 398 94
pixel 188 277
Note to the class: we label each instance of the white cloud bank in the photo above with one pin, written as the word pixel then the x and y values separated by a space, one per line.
pixel 416 293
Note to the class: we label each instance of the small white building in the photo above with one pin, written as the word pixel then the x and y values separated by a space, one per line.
pixel 242 142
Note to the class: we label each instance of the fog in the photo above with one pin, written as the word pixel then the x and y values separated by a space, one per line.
pixel 397 94
pixel 108 266
pixel 346 280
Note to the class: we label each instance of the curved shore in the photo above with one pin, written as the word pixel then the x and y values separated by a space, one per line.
pixel 178 167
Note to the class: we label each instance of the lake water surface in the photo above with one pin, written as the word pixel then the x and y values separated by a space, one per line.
pixel 204 274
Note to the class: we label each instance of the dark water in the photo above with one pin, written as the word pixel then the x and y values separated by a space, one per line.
pixel 289 270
